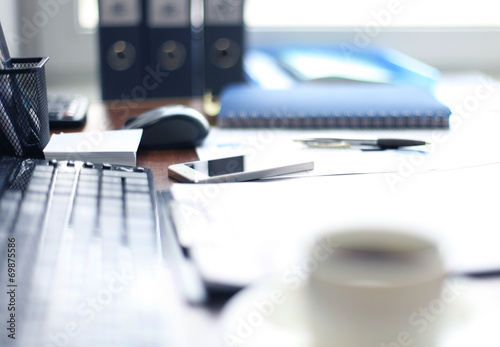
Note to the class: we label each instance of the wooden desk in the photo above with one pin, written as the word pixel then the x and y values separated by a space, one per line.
pixel 112 115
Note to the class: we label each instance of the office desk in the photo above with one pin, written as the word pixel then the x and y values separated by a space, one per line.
pixel 112 115
pixel 481 297
pixel 109 116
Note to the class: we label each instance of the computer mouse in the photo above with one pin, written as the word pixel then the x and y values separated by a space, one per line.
pixel 172 126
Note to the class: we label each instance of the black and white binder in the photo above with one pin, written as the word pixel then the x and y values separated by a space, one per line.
pixel 121 40
pixel 170 47
pixel 223 43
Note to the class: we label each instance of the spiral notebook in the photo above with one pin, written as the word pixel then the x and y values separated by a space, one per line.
pixel 332 106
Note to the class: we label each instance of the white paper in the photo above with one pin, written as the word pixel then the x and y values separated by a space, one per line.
pixel 114 146
pixel 242 231
pixel 447 149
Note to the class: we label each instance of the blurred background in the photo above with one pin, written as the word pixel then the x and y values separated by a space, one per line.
pixel 449 35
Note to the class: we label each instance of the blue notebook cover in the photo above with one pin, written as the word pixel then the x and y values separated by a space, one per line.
pixel 332 106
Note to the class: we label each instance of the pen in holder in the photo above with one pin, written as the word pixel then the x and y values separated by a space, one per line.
pixel 24 115
pixel 24 122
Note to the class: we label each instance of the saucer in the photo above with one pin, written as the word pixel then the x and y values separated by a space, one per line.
pixel 273 314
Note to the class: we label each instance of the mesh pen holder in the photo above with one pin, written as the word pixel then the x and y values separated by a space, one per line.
pixel 24 120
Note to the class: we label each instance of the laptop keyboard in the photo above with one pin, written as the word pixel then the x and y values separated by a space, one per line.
pixel 83 243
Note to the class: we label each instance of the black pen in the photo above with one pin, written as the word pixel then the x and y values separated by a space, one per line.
pixel 382 143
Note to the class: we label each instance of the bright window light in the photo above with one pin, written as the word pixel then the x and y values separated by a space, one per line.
pixel 88 14
pixel 353 13
pixel 361 13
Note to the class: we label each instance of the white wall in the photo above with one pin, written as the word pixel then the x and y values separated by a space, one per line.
pixel 9 20
pixel 49 28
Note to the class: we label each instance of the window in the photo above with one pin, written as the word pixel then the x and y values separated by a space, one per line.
pixel 450 35
pixel 88 14
pixel 354 13
pixel 387 13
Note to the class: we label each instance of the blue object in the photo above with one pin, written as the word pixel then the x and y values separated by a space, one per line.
pixel 286 65
pixel 329 105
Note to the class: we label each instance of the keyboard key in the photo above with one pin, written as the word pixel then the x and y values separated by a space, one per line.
pixel 8 209
pixel 125 174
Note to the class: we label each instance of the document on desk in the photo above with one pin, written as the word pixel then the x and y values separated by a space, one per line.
pixel 240 232
pixel 270 145
pixel 447 149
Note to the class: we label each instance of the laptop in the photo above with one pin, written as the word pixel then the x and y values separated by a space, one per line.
pixel 87 257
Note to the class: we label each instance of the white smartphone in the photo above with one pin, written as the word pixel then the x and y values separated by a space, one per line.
pixel 231 169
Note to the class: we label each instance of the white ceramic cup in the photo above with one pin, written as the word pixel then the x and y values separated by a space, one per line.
pixel 371 289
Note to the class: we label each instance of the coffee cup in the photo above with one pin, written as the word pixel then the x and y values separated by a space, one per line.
pixel 370 286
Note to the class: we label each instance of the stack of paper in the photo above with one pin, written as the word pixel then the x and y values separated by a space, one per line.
pixel 114 147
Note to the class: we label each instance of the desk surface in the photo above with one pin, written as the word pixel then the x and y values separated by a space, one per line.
pixel 112 115
pixel 480 304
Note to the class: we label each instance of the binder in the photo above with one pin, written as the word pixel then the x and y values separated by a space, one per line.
pixel 332 106
pixel 121 39
pixel 223 44
pixel 168 24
